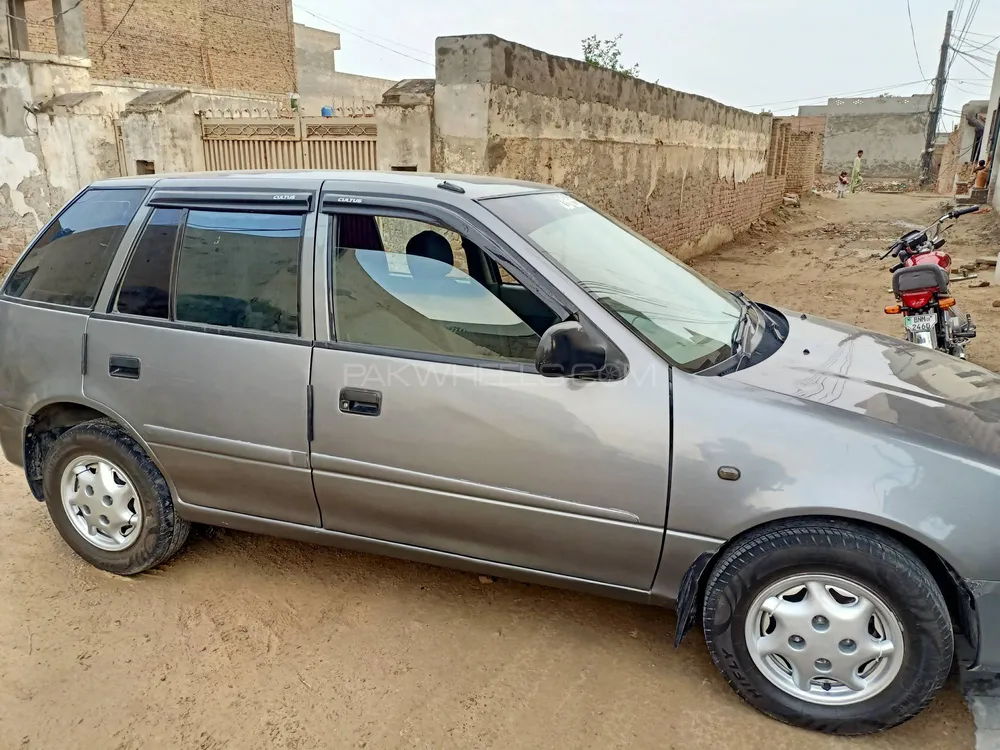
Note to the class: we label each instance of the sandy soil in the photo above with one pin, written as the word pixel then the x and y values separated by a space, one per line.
pixel 249 642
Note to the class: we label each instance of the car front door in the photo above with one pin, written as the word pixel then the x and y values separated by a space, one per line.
pixel 433 429
pixel 202 347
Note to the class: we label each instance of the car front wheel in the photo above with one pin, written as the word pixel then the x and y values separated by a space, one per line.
pixel 828 626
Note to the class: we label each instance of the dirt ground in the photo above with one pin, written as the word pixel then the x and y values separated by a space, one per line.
pixel 248 642
pixel 819 260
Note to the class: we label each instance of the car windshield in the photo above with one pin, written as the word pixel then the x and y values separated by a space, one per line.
pixel 684 315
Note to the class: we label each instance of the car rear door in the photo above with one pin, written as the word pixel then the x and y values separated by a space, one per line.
pixel 433 430
pixel 203 345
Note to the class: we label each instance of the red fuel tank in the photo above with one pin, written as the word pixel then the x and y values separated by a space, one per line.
pixel 935 257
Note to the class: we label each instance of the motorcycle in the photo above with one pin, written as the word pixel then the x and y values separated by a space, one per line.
pixel 920 284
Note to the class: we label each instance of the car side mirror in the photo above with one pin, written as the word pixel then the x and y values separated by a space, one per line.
pixel 566 350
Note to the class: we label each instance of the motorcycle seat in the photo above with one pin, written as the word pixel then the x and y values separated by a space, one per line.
pixel 918 278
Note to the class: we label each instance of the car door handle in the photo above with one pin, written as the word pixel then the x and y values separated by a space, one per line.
pixel 360 401
pixel 123 366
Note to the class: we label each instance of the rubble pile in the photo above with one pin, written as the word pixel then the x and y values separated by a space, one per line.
pixel 828 185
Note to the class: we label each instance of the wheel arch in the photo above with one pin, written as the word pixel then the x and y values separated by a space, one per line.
pixel 692 592
pixel 49 419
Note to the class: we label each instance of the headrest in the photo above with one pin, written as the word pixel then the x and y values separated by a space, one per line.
pixel 433 246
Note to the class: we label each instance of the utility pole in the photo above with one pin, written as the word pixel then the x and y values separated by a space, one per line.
pixel 937 101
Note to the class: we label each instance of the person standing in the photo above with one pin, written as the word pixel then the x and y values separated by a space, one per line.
pixel 842 184
pixel 856 173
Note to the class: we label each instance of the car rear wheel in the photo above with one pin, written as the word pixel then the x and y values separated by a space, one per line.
pixel 828 626
pixel 109 501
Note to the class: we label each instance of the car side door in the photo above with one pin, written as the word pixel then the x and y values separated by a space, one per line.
pixel 203 345
pixel 434 430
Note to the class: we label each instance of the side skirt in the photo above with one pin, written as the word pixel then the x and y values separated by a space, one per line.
pixel 314 535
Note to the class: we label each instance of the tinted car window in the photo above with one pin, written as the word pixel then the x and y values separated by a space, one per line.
pixel 240 270
pixel 145 290
pixel 418 300
pixel 396 234
pixel 67 264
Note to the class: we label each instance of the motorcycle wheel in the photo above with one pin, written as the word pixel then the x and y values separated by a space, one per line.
pixel 955 348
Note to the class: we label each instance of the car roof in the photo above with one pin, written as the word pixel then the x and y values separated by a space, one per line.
pixel 475 187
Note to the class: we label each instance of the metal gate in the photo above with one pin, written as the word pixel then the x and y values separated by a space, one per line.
pixel 289 143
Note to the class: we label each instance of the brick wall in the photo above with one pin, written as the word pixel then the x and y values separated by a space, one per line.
pixel 804 152
pixel 803 123
pixel 685 171
pixel 246 45
pixel 807 136
pixel 773 189
pixel 686 213
pixel 774 183
pixel 8 254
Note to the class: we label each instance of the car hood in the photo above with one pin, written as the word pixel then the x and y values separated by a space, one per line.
pixel 884 378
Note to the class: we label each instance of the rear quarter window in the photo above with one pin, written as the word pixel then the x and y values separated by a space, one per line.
pixel 68 263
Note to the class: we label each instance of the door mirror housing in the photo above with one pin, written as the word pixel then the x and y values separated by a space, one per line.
pixel 567 350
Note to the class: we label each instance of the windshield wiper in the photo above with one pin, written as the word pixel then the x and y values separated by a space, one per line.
pixel 742 330
pixel 763 315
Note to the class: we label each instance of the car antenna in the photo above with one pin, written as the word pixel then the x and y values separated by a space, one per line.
pixel 451 186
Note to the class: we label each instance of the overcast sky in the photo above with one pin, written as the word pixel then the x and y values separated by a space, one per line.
pixel 745 53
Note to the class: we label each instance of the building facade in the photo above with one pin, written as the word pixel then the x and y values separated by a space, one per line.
pixel 992 135
pixel 320 84
pixel 64 123
pixel 891 130
pixel 245 45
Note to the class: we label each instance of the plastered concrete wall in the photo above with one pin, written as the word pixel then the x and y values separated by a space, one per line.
pixel 321 84
pixel 44 157
pixel 684 170
pixel 813 110
pixel 169 135
pixel 67 140
pixel 315 51
pixel 991 112
pixel 970 110
pixel 118 94
pixel 994 112
pixel 343 88
pixel 890 129
pixel 405 120
pixel 950 161
pixel 170 140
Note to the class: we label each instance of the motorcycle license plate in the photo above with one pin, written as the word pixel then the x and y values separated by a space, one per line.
pixel 920 323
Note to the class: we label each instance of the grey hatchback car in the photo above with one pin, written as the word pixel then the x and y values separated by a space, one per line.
pixel 491 375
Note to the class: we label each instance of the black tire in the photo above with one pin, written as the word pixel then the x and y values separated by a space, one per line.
pixel 162 532
pixel 865 556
